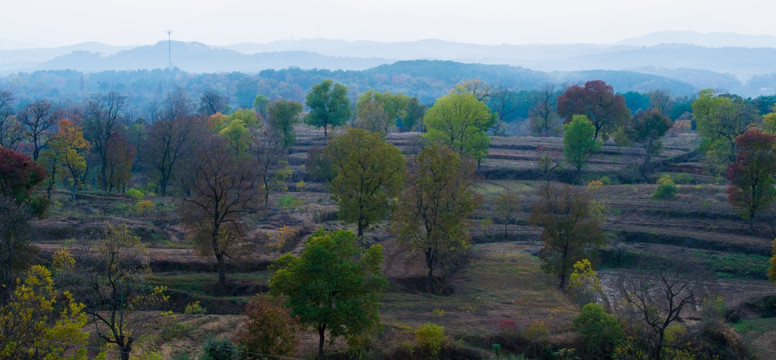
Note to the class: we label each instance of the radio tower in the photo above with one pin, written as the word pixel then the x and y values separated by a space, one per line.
pixel 169 48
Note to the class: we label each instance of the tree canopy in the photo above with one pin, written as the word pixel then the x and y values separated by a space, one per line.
pixel 432 209
pixel 579 142
pixel 753 175
pixel 329 105
pixel 370 172
pixel 332 285
pixel 460 121
pixel 597 101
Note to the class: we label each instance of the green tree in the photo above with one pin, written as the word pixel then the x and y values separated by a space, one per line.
pixel 41 322
pixel 772 268
pixel 579 142
pixel 379 112
pixel 333 285
pixel 645 129
pixel 460 121
pixel 720 119
pixel 600 331
pixel 370 172
pixel 329 105
pixel 571 227
pixel 283 115
pixel 753 176
pixel 432 209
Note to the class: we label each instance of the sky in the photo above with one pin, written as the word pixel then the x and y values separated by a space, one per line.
pixel 25 23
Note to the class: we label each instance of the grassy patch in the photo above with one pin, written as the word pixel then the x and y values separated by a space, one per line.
pixel 733 264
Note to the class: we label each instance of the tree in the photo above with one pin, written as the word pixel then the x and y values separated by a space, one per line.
pixel 269 328
pixel 413 119
pixel 753 176
pixel 121 156
pixel 579 143
pixel 100 124
pixel 370 172
pixel 40 322
pixel 283 115
pixel 18 176
pixel 10 129
pixel 507 203
pixel 431 213
pixel 271 160
pixel 460 121
pixel 37 119
pixel 504 102
pixel 332 285
pixel 660 100
pixel 570 228
pixel 544 117
pixel 645 129
pixel 476 87
pixel 379 112
pixel 68 148
pixel 260 104
pixel 772 268
pixel 720 119
pixel 115 293
pixel 168 137
pixel 659 301
pixel 597 101
pixel 600 331
pixel 549 162
pixel 329 105
pixel 212 101
pixel 225 190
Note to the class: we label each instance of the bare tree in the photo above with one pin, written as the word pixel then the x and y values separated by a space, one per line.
pixel 267 147
pixel 659 301
pixel 661 100
pixel 114 290
pixel 225 191
pixel 37 120
pixel 505 102
pixel 543 111
pixel 10 129
pixel 168 137
pixel 212 102
pixel 101 122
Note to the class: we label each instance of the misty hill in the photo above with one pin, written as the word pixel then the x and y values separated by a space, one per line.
pixel 200 58
pixel 29 59
pixel 714 39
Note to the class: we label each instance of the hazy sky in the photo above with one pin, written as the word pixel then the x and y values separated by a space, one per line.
pixel 221 22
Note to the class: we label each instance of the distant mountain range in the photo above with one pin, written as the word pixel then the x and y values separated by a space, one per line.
pixel 740 63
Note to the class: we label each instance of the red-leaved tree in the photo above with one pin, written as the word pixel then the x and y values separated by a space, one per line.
pixel 597 101
pixel 751 177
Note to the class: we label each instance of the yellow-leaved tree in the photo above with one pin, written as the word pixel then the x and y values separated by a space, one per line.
pixel 40 322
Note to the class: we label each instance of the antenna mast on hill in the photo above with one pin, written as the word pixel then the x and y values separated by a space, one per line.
pixel 169 48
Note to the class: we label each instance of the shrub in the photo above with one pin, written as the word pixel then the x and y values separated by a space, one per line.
pixel 144 207
pixel 605 180
pixel 600 331
pixel 536 332
pixel 507 325
pixel 194 308
pixel 288 201
pixel 135 194
pixel 683 178
pixel 269 328
pixel 219 349
pixel 665 188
pixel 430 338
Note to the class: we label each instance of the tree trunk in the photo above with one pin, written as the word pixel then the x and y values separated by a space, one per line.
pixel 163 186
pixel 103 177
pixel 430 265
pixel 72 191
pixel 325 133
pixel 321 338
pixel 221 269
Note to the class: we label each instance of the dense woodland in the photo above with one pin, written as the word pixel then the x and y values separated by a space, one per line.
pixel 295 214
